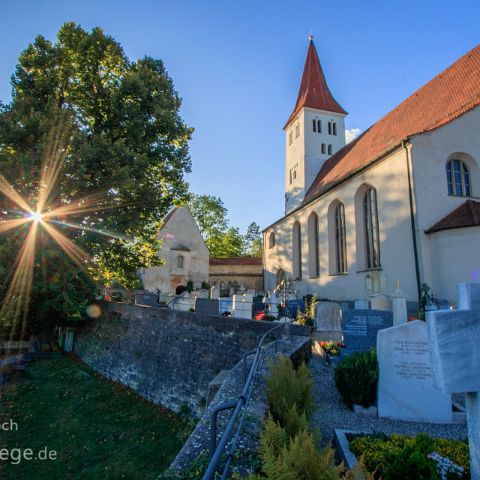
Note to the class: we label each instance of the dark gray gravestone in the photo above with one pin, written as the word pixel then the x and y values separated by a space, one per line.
pixel 360 328
pixel 149 299
pixel 207 306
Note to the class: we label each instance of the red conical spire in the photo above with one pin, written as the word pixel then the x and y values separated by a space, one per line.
pixel 314 91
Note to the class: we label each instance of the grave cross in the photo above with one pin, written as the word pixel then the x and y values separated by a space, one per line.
pixel 455 350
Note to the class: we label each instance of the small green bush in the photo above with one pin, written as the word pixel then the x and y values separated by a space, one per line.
pixel 289 389
pixel 356 378
pixel 375 449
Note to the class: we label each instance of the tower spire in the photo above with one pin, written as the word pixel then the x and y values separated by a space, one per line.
pixel 314 91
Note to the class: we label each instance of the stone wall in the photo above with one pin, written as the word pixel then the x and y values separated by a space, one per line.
pixel 168 357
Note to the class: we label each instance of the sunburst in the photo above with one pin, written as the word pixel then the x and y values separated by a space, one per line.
pixel 43 213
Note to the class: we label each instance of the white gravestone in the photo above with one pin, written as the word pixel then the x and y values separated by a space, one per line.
pixel 328 317
pixel 242 306
pixel 380 302
pixel 406 388
pixel 273 304
pixel 399 306
pixel 455 339
pixel 215 292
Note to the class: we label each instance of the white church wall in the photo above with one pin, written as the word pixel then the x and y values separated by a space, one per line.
pixel 430 152
pixel 457 259
pixel 389 177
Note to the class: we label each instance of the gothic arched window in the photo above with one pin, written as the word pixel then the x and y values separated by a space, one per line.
pixel 329 128
pixel 297 251
pixel 372 236
pixel 271 240
pixel 329 149
pixel 334 128
pixel 323 148
pixel 314 125
pixel 340 239
pixel 313 256
pixel 319 126
pixel 458 178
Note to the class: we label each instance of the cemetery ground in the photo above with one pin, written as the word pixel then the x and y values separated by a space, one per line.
pixel 98 429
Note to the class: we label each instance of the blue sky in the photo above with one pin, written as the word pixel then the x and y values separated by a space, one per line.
pixel 237 66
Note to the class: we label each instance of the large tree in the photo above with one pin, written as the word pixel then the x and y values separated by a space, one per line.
pixel 125 146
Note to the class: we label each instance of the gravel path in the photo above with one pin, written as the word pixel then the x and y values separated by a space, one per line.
pixel 332 413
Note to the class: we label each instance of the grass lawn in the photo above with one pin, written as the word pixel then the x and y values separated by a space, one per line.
pixel 98 429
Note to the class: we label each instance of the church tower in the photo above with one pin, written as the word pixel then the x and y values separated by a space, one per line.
pixel 314 131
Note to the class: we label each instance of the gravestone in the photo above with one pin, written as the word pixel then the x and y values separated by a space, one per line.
pixel 406 387
pixel 273 304
pixel 380 302
pixel 207 306
pixel 361 304
pixel 147 298
pixel 455 353
pixel 215 292
pixel 360 328
pixel 225 305
pixel 328 317
pixel 242 306
pixel 399 306
pixel 184 302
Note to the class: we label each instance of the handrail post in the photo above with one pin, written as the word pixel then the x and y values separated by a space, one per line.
pixel 213 423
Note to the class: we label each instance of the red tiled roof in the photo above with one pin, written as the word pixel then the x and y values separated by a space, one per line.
pixel 314 91
pixel 236 261
pixel 447 96
pixel 466 215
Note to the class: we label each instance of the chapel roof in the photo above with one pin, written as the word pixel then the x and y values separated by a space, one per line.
pixel 466 215
pixel 447 96
pixel 314 91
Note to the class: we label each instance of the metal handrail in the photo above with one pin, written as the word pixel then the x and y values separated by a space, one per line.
pixel 216 450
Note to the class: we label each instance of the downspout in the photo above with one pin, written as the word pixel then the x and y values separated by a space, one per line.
pixel 412 218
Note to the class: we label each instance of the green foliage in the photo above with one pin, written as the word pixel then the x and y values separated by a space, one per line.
pixel 289 393
pixel 377 450
pixel 411 461
pixel 297 458
pixel 253 240
pixel 307 318
pixel 221 238
pixel 356 378
pixel 98 429
pixel 126 143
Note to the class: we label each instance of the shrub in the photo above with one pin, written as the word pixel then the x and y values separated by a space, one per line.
pixel 286 458
pixel 375 449
pixel 356 378
pixel 288 388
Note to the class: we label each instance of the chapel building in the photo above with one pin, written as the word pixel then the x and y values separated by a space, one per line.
pixel 399 203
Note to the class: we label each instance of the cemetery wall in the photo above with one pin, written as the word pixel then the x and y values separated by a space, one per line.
pixel 168 357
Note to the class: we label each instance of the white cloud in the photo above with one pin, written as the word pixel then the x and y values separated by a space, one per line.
pixel 351 134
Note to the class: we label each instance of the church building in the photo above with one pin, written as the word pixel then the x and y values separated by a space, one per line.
pixel 400 203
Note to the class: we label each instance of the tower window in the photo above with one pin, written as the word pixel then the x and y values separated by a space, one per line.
pixel 329 128
pixel 290 175
pixel 334 126
pixel 323 148
pixel 294 174
pixel 319 126
pixel 297 131
pixel 329 149
pixel 314 125
pixel 290 137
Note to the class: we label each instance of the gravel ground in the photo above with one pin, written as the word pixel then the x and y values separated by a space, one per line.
pixel 332 413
